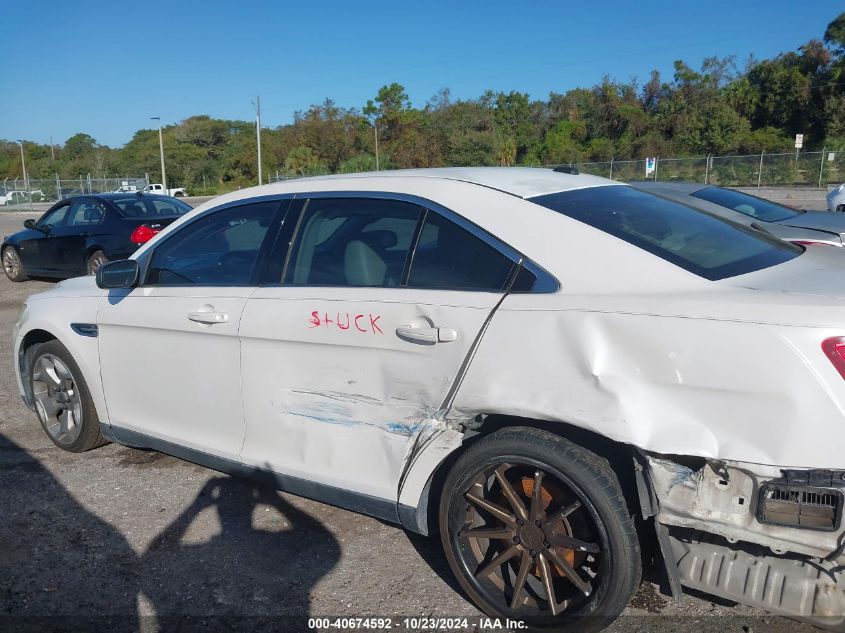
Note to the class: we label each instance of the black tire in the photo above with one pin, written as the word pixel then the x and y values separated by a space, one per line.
pixel 94 261
pixel 12 264
pixel 840 208
pixel 88 436
pixel 573 477
pixel 178 194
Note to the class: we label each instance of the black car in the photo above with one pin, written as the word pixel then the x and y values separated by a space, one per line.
pixel 77 236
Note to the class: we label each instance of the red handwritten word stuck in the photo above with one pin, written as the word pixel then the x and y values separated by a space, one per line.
pixel 362 323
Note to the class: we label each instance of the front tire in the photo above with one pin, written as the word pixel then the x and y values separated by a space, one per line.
pixel 62 400
pixel 12 265
pixel 537 528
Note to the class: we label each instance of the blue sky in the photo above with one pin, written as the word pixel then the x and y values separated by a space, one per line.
pixel 102 68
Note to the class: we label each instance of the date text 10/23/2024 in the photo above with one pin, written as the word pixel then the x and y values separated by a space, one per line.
pixel 361 323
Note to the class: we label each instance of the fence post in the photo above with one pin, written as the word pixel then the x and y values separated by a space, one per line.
pixel 58 188
pixel 760 171
pixel 706 168
pixel 656 161
pixel 611 168
pixel 821 167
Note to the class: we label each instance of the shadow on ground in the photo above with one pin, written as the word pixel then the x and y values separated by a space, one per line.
pixel 63 568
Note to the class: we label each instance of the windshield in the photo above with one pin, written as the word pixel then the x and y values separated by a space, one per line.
pixel 749 205
pixel 696 241
pixel 140 207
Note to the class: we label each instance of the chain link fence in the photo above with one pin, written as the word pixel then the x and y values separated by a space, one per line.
pixel 814 169
pixel 17 191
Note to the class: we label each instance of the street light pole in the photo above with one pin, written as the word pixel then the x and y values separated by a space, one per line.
pixel 161 149
pixel 257 105
pixel 25 179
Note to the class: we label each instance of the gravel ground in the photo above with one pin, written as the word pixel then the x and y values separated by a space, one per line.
pixel 122 539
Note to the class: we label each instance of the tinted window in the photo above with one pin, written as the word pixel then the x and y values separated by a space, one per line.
pixel 751 206
pixel 220 249
pixel 698 242
pixel 352 242
pixel 86 214
pixel 54 217
pixel 451 258
pixel 143 207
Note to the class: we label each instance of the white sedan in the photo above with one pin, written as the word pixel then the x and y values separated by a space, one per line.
pixel 836 199
pixel 550 370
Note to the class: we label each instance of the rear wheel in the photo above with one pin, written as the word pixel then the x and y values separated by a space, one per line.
pixel 62 399
pixel 536 528
pixel 95 260
pixel 12 265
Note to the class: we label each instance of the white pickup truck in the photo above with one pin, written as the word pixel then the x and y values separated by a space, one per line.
pixel 158 188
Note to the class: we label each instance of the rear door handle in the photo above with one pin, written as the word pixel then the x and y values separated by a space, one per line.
pixel 426 335
pixel 209 318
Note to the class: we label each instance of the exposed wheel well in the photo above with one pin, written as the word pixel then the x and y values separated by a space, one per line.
pixel 619 456
pixel 31 338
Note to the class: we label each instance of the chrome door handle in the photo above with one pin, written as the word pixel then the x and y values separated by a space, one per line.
pixel 209 318
pixel 426 335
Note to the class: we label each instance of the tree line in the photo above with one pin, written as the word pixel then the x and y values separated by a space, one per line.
pixel 717 109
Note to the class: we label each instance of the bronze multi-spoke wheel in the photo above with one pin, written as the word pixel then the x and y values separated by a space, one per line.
pixel 61 398
pixel 536 528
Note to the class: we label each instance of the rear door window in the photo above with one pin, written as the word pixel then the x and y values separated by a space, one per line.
pixel 449 257
pixel 353 242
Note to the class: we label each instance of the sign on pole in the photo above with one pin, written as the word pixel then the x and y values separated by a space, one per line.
pixel 799 141
pixel 649 166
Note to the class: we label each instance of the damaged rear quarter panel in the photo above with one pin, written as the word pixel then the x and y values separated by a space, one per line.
pixel 751 392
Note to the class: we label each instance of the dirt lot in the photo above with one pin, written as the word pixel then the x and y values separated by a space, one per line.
pixel 121 539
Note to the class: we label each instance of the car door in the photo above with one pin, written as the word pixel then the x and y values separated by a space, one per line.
pixel 38 248
pixel 358 340
pixel 85 219
pixel 169 351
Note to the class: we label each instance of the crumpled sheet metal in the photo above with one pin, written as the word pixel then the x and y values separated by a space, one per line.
pixel 671 385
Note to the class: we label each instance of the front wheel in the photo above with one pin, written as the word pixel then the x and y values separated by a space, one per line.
pixel 536 528
pixel 12 265
pixel 62 399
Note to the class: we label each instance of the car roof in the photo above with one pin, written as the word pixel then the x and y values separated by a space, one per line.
pixel 677 187
pixel 523 182
pixel 124 195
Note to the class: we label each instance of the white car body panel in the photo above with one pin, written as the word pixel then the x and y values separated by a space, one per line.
pixel 331 394
pixel 188 391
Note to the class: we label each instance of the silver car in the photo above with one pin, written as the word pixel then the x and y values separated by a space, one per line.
pixel 794 225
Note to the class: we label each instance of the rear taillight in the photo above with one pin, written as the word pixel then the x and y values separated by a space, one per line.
pixel 834 349
pixel 143 234
pixel 811 243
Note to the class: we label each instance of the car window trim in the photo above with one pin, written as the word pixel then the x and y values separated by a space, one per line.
pixel 269 239
pixel 546 282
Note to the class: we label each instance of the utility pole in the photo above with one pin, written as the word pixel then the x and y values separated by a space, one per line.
pixel 375 129
pixel 25 179
pixel 257 105
pixel 161 149
pixel 52 149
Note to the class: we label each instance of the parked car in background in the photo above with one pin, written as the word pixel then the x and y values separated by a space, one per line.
pixel 77 236
pixel 836 199
pixel 126 188
pixel 793 225
pixel 546 369
pixel 158 188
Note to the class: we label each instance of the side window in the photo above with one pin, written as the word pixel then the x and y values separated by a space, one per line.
pixel 86 214
pixel 449 257
pixel 352 242
pixel 220 249
pixel 54 217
